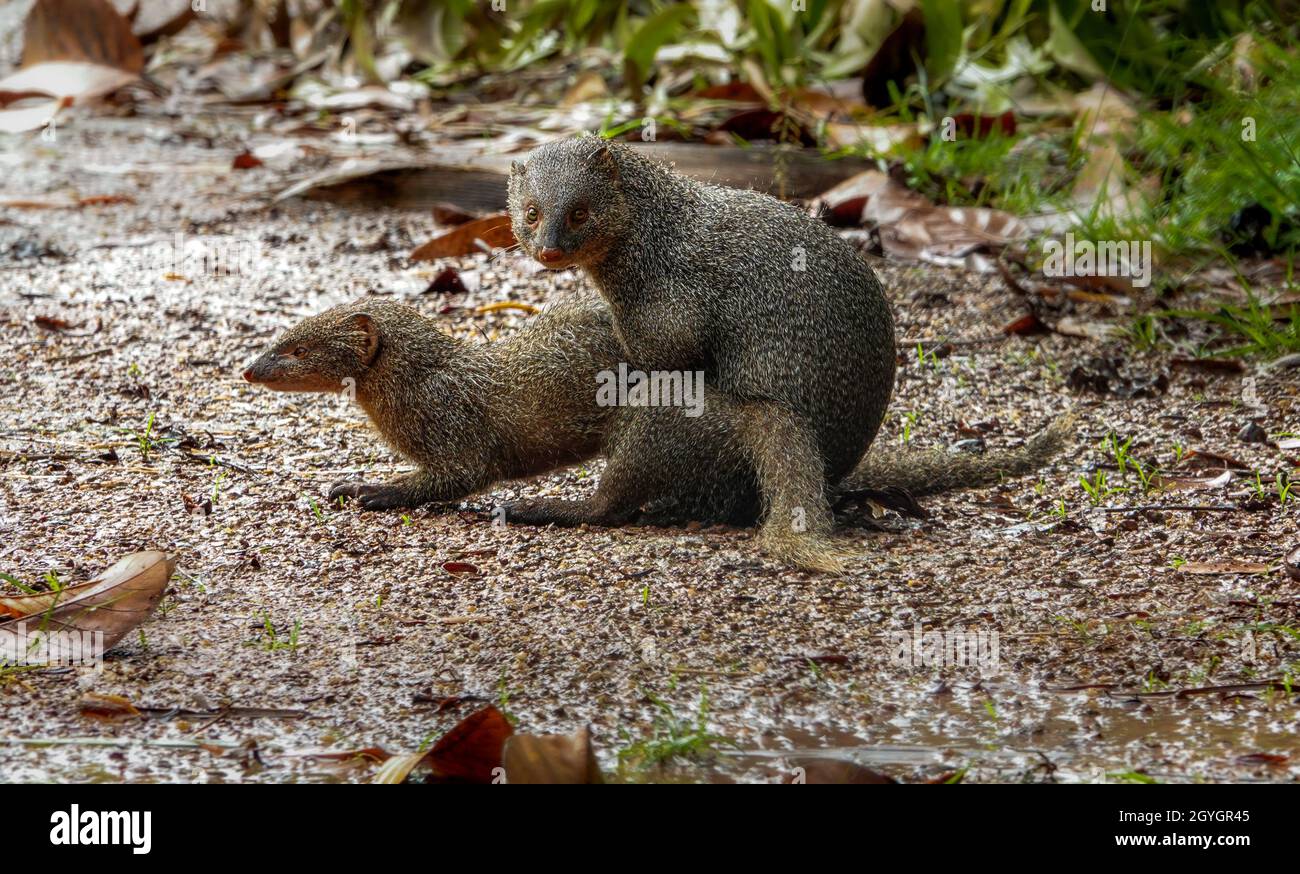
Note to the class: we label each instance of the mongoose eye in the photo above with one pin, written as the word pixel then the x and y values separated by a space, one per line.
pixel 578 216
pixel 299 352
pixel 531 215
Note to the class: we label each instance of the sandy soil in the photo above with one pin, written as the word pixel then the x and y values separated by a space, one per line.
pixel 562 628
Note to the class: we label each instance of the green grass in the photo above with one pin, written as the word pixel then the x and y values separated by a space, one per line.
pixel 1250 329
pixel 671 738
pixel 270 639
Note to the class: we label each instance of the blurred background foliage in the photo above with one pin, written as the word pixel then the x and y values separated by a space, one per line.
pixel 1184 75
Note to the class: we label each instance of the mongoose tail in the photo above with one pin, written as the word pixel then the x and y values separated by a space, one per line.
pixel 932 472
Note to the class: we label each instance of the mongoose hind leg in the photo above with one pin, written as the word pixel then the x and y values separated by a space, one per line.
pixel 798 519
pixel 413 490
pixel 725 465
pixel 683 467
pixel 616 501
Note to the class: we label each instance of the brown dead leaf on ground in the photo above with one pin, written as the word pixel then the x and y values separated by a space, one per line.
pixel 911 227
pixel 245 160
pixel 551 758
pixel 66 202
pixel 73 51
pixel 106 708
pixel 1192 483
pixel 471 752
pixel 479 235
pixel 113 603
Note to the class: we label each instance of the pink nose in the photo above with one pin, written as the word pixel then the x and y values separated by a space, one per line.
pixel 550 255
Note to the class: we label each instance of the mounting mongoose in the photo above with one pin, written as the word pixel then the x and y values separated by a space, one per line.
pixel 471 414
pixel 787 322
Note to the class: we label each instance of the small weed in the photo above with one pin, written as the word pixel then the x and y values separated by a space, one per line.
pixel 672 738
pixel 270 640
pixel 1098 489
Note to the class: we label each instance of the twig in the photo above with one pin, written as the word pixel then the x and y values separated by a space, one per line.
pixel 79 356
pixel 1209 508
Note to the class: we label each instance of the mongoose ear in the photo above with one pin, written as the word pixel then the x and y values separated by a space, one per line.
pixel 363 324
pixel 603 156
pixel 516 169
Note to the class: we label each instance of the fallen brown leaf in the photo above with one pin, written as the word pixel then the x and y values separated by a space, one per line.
pixel 73 51
pixel 479 235
pixel 551 758
pixel 113 603
pixel 106 708
pixel 246 160
pixel 471 752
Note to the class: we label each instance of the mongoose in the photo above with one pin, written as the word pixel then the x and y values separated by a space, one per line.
pixel 467 414
pixel 789 325
pixel 472 414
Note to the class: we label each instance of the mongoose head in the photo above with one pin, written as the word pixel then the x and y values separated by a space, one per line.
pixel 325 353
pixel 566 205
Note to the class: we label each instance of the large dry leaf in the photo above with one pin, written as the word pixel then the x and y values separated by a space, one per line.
pixel 80 30
pixel 480 235
pixel 551 758
pixel 114 603
pixel 73 51
pixel 470 753
pixel 870 197
pixel 945 234
pixel 911 227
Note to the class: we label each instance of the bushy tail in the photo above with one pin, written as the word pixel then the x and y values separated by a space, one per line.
pixel 929 472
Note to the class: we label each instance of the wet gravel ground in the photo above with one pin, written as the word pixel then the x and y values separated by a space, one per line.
pixel 375 640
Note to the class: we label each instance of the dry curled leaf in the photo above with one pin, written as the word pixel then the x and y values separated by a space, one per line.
pixel 470 753
pixel 113 603
pixel 73 51
pixel 479 235
pixel 106 708
pixel 551 758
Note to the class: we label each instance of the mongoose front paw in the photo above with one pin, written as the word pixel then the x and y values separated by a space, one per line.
pixel 371 497
pixel 527 512
pixel 345 490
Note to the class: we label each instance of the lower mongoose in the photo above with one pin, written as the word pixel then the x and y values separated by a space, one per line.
pixel 787 322
pixel 468 415
pixel 472 414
